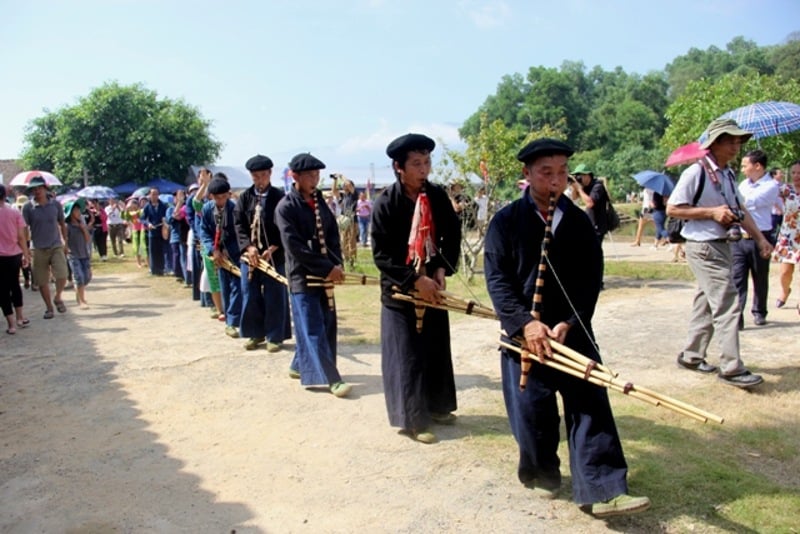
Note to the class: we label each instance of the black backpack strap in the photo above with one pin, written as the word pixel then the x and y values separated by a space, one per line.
pixel 700 186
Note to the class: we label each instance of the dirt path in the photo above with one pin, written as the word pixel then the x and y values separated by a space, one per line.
pixel 138 415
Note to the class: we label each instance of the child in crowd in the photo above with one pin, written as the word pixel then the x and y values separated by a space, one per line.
pixel 78 240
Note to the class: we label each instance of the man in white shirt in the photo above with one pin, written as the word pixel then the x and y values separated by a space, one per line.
pixel 116 227
pixel 706 197
pixel 760 193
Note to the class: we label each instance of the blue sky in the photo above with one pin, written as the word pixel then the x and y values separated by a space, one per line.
pixel 340 78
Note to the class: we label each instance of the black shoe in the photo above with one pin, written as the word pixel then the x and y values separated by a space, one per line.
pixel 701 367
pixel 759 320
pixel 742 380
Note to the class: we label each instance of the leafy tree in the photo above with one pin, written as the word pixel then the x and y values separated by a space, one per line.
pixel 493 149
pixel 118 134
pixel 785 60
pixel 704 100
pixel 740 56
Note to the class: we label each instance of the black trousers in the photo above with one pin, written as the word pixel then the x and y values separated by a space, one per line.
pixel 10 292
pixel 746 260
pixel 101 242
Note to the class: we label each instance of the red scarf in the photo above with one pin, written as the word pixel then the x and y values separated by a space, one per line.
pixel 422 239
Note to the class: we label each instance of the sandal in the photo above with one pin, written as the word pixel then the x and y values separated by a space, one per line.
pixel 24 323
pixel 48 314
pixel 60 306
pixel 11 331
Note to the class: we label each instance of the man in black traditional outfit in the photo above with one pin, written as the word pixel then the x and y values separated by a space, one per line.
pixel 310 236
pixel 512 254
pixel 265 301
pixel 417 365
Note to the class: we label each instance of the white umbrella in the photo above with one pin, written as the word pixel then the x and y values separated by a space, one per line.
pixel 24 178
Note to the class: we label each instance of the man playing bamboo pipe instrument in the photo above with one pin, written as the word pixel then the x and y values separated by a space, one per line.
pixel 265 301
pixel 217 234
pixel 416 239
pixel 310 236
pixel 515 271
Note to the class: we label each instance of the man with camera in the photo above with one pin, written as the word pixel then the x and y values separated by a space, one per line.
pixel 760 193
pixel 707 198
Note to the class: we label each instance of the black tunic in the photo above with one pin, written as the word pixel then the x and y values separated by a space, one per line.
pixel 417 367
pixel 512 251
pixel 244 213
pixel 298 230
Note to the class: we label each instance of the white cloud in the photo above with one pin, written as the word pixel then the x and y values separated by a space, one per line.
pixel 487 13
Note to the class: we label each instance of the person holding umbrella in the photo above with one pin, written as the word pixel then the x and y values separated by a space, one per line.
pixel 45 218
pixel 711 221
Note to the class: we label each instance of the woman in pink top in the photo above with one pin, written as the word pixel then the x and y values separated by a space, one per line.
pixel 13 255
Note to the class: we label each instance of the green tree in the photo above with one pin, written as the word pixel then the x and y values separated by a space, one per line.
pixel 785 60
pixel 118 134
pixel 704 100
pixel 740 56
pixel 494 148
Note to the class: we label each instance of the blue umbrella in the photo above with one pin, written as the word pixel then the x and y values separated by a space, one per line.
pixel 766 119
pixel 655 181
pixel 99 192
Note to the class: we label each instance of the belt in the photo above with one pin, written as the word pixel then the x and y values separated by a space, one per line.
pixel 720 240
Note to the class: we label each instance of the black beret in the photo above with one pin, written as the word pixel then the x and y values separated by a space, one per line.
pixel 406 143
pixel 218 186
pixel 258 163
pixel 544 147
pixel 305 162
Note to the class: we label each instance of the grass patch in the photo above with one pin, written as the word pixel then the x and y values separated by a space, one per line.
pixel 640 270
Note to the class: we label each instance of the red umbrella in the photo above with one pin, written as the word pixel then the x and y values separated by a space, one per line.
pixel 24 178
pixel 685 154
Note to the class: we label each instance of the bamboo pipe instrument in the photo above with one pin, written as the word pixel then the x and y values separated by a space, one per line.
pixel 598 377
pixel 228 265
pixel 536 309
pixel 269 270
pixel 449 302
pixel 350 279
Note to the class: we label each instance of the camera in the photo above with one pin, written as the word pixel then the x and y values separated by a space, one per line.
pixel 734 232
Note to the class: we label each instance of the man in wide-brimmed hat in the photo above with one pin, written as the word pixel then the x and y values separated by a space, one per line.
pixel 706 196
pixel 45 218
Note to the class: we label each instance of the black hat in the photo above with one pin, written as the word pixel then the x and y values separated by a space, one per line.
pixel 543 147
pixel 258 163
pixel 305 162
pixel 406 143
pixel 218 186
